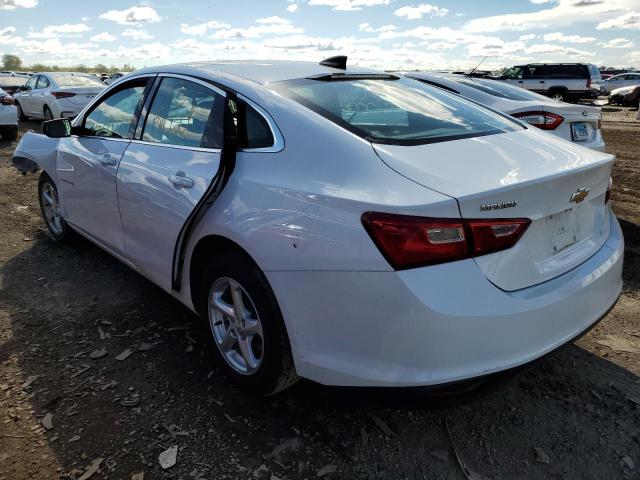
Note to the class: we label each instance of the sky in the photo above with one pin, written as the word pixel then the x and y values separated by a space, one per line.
pixel 389 34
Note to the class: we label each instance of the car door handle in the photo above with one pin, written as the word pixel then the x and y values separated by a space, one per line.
pixel 180 180
pixel 108 160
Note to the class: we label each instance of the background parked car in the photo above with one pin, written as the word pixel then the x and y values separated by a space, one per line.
pixel 8 117
pixel 619 81
pixel 55 95
pixel 563 82
pixel 576 123
pixel 10 82
pixel 627 96
pixel 113 77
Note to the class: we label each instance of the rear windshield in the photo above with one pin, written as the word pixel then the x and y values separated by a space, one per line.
pixel 77 81
pixel 502 90
pixel 395 111
pixel 13 81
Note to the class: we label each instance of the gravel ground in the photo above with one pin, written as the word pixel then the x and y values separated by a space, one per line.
pixel 70 407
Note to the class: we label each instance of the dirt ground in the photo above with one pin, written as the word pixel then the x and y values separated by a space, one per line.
pixel 66 414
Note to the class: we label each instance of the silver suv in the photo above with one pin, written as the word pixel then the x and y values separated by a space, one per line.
pixel 563 82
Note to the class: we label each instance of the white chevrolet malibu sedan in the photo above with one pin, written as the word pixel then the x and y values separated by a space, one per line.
pixel 338 224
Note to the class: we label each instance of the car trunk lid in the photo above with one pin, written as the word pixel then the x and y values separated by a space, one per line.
pixel 524 174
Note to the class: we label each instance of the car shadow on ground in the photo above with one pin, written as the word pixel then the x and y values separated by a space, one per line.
pixel 67 303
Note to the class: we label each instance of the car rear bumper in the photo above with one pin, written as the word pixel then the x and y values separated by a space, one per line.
pixel 439 324
pixel 8 115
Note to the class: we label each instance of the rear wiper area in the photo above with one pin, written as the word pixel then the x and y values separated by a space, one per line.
pixel 336 77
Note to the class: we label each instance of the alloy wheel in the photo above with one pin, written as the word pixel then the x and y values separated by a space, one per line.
pixel 51 208
pixel 236 326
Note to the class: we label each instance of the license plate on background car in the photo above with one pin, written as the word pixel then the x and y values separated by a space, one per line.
pixel 561 228
pixel 579 131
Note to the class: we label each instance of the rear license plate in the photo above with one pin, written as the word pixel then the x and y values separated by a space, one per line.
pixel 579 131
pixel 561 228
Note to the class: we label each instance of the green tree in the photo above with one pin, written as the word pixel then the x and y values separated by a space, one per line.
pixel 11 62
pixel 39 67
pixel 100 68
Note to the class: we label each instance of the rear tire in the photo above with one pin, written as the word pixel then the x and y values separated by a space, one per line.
pixel 48 114
pixel 256 355
pixel 559 95
pixel 51 211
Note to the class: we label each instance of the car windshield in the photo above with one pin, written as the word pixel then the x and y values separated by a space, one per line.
pixel 394 111
pixel 13 81
pixel 77 81
pixel 502 90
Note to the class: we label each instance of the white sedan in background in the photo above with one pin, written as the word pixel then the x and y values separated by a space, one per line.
pixel 56 94
pixel 577 123
pixel 340 224
pixel 8 117
pixel 619 81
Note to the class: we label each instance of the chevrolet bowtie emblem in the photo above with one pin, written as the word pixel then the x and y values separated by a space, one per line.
pixel 579 195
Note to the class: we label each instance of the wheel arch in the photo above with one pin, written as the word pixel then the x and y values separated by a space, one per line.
pixel 198 260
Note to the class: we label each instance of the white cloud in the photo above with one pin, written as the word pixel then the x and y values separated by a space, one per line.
pixel 202 28
pixel 540 2
pixel 11 4
pixel 365 27
pixel 67 29
pixel 560 37
pixel 618 43
pixel 137 34
pixel 629 20
pixel 273 20
pixel 103 37
pixel 132 15
pixel 527 37
pixel 293 8
pixel 6 33
pixel 263 26
pixel 416 12
pixel 554 49
pixel 566 12
pixel 348 5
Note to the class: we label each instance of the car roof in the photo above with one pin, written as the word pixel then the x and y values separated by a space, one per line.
pixel 259 71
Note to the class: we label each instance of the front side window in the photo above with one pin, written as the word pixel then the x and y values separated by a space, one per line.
pixel 43 82
pixel 185 113
pixel 31 84
pixel 395 111
pixel 115 116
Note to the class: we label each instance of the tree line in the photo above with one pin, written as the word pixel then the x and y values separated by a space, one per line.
pixel 14 63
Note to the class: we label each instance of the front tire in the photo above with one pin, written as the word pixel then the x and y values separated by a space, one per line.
pixel 51 211
pixel 247 328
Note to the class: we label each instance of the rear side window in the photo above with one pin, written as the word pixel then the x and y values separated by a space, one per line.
pixel 185 113
pixel 43 82
pixel 502 90
pixel 252 128
pixel 395 111
pixel 114 117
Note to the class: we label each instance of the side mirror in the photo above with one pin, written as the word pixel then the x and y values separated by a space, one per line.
pixel 57 128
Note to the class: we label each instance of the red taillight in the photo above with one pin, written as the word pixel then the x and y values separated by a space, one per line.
pixel 63 94
pixel 599 123
pixel 408 241
pixel 6 100
pixel 607 196
pixel 543 120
